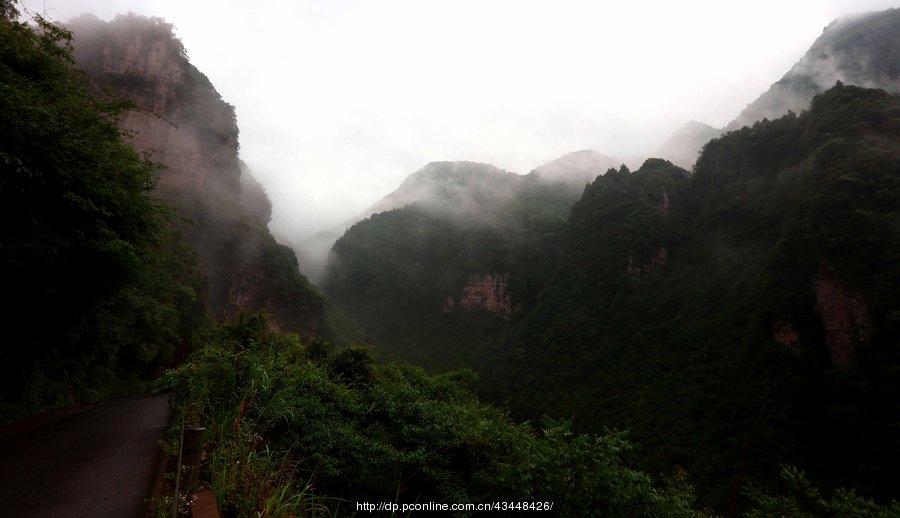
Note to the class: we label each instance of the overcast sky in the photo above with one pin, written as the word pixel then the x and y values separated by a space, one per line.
pixel 338 101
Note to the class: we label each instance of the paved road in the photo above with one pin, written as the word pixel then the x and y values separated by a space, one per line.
pixel 97 461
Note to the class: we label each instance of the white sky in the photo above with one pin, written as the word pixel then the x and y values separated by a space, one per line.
pixel 339 100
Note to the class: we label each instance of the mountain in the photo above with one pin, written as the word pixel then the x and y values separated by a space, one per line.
pixel 456 189
pixel 467 188
pixel 732 319
pixel 683 146
pixel 737 317
pixel 575 169
pixel 862 50
pixel 182 123
pixel 463 189
pixel 462 252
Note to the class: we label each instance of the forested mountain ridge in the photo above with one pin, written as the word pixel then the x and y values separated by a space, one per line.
pixel 575 169
pixel 464 251
pixel 460 189
pixel 737 318
pixel 464 189
pixel 861 50
pixel 183 124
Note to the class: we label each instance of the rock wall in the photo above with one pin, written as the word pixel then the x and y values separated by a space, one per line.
pixel 486 291
pixel 665 205
pixel 844 314
pixel 784 333
pixel 657 259
pixel 181 122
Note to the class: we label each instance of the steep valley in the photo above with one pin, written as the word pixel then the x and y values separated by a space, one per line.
pixel 713 331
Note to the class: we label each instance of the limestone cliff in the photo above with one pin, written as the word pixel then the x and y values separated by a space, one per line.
pixel 182 123
pixel 486 291
pixel 844 314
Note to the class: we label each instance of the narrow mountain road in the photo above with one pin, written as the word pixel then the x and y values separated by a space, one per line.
pixel 97 461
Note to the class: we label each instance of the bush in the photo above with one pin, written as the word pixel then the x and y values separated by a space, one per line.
pixel 293 427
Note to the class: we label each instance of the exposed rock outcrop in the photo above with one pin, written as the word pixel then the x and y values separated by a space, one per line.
pixel 448 304
pixel 657 259
pixel 784 333
pixel 182 123
pixel 665 205
pixel 485 291
pixel 180 120
pixel 844 314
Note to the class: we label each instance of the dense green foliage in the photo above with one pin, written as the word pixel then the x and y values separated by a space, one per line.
pixel 800 499
pixel 305 429
pixel 99 286
pixel 683 352
pixel 298 427
pixel 659 305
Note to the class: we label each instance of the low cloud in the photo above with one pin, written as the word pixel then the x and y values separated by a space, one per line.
pixel 338 101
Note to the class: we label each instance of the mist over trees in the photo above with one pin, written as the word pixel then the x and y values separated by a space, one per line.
pixel 615 339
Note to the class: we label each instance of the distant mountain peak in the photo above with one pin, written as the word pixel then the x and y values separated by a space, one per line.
pixel 578 167
pixel 448 185
pixel 861 50
pixel 446 170
pixel 684 144
pixel 693 127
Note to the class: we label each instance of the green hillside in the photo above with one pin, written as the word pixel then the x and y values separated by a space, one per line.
pixel 738 318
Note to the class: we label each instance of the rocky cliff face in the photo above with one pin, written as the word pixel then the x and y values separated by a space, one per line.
pixel 844 317
pixel 785 334
pixel 181 122
pixel 844 314
pixel 486 291
pixel 657 259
